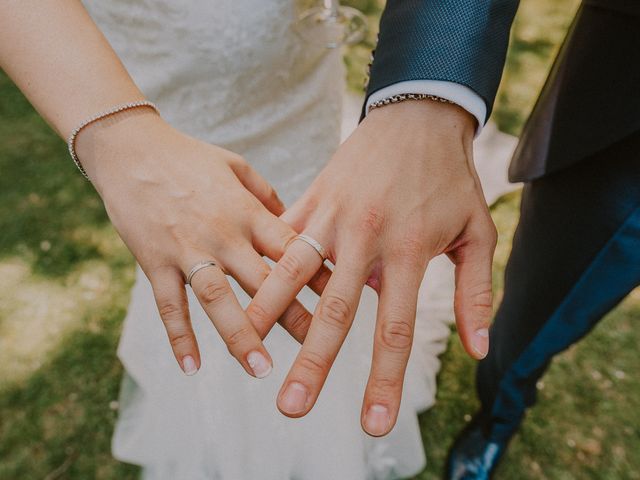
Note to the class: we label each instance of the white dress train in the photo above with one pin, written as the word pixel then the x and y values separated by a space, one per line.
pixel 233 73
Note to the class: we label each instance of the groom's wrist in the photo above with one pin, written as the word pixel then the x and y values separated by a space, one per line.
pixel 447 90
pixel 424 118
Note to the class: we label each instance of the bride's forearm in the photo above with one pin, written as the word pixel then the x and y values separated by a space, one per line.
pixel 60 60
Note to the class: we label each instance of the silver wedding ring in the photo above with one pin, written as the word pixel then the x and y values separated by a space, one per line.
pixel 315 244
pixel 199 266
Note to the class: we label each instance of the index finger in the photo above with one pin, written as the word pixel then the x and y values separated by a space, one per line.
pixel 293 271
pixel 214 293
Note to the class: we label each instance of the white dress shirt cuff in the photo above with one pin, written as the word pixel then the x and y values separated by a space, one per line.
pixel 455 92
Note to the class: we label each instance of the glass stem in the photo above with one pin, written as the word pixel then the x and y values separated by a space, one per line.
pixel 332 6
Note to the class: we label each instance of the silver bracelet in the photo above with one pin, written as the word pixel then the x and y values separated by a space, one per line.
pixel 71 142
pixel 408 96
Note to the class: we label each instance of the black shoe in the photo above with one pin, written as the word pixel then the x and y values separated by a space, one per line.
pixel 473 456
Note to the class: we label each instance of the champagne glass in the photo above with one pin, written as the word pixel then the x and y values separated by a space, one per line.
pixel 331 25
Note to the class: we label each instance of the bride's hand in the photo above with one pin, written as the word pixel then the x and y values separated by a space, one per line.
pixel 176 201
pixel 401 190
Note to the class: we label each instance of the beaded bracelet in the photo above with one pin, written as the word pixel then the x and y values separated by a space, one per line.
pixel 408 96
pixel 71 142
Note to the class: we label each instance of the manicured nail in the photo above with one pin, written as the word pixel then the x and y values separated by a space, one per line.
pixel 294 398
pixel 377 420
pixel 480 342
pixel 259 364
pixel 189 365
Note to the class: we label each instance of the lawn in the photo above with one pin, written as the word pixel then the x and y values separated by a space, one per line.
pixel 65 279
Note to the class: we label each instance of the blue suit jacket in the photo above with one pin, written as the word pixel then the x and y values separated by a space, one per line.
pixel 462 41
pixel 591 99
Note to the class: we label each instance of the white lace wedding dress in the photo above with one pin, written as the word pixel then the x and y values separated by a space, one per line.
pixel 233 73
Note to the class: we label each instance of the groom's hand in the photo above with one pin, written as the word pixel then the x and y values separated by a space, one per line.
pixel 401 190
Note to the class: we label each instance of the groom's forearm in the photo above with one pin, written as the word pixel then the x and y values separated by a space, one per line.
pixel 60 60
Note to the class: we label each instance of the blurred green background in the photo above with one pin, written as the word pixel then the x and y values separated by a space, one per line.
pixel 65 279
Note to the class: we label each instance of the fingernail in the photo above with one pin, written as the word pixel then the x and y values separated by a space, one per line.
pixel 294 398
pixel 189 365
pixel 259 364
pixel 377 420
pixel 480 342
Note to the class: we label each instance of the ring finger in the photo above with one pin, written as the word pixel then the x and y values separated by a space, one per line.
pixel 299 264
pixel 250 271
pixel 214 293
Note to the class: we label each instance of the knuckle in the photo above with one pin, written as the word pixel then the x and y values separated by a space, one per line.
pixel 214 293
pixel 335 311
pixel 171 310
pixel 483 302
pixel 290 267
pixel 296 320
pixel 237 337
pixel 373 221
pixel 396 335
pixel 479 299
pixel 482 293
pixel 182 339
pixel 383 387
pixel 258 313
pixel 483 314
pixel 413 250
pixel 314 364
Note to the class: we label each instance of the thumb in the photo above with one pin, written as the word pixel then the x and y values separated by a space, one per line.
pixel 473 298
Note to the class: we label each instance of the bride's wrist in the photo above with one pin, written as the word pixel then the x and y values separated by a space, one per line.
pixel 108 144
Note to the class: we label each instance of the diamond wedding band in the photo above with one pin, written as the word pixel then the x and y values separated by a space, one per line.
pixel 199 266
pixel 316 245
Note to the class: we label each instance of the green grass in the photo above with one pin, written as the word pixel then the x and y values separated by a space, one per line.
pixel 65 279
pixel 538 30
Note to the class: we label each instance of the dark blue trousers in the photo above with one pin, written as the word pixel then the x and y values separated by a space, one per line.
pixel 576 255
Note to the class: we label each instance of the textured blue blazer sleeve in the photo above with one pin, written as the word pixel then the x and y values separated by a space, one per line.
pixel 462 41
